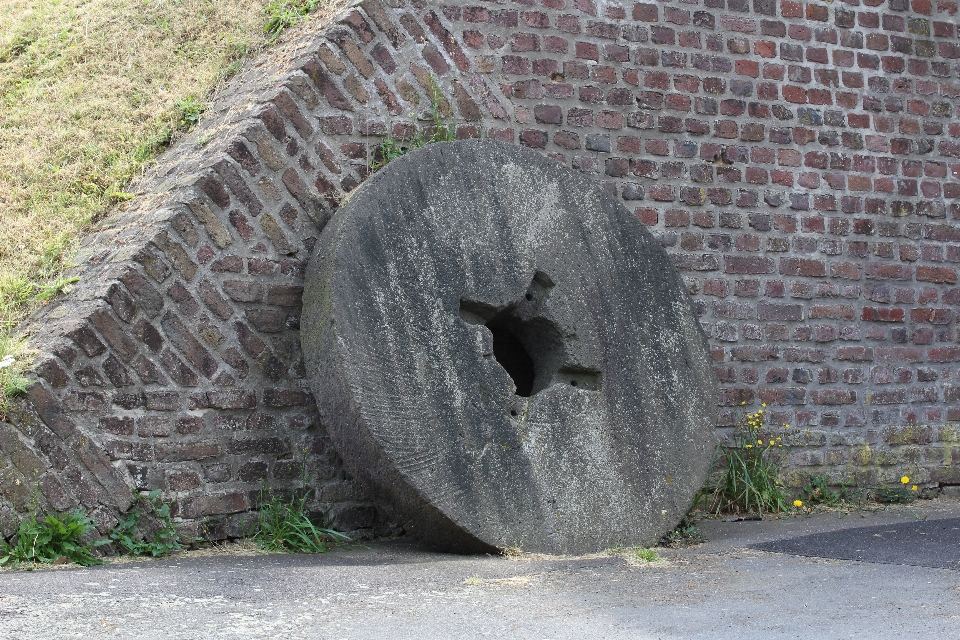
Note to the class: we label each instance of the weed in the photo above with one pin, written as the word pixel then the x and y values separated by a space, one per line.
pixel 284 525
pixel 750 481
pixel 52 539
pixel 473 581
pixel 188 113
pixel 645 554
pixel 390 148
pixel 48 291
pixel 686 534
pixel 896 495
pixel 128 533
pixel 635 553
pixel 282 14
pixel 12 361
pixel 818 492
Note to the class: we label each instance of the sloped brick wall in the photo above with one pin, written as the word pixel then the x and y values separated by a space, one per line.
pixel 799 160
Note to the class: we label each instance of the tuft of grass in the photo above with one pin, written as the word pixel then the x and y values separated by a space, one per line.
pixel 634 554
pixel 55 539
pixel 285 526
pixel 750 481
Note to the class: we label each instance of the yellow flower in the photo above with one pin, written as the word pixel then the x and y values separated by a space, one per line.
pixel 760 442
pixel 763 404
pixel 798 503
pixel 772 442
pixel 905 480
pixel 779 439
pixel 913 488
pixel 748 446
pixel 743 404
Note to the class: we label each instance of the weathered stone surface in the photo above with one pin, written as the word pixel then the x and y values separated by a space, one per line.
pixel 502 352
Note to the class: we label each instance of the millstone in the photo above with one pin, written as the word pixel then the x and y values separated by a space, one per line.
pixel 504 354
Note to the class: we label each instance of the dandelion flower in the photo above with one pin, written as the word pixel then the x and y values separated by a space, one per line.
pixel 763 404
pixel 772 442
pixel 743 404
pixel 748 446
pixel 905 480
pixel 760 442
pixel 914 488
pixel 798 503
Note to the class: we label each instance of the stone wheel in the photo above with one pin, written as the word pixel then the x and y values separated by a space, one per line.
pixel 505 356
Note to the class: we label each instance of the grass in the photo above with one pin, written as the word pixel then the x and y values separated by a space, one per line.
pixel 750 480
pixel 90 92
pixel 285 526
pixel 390 148
pixel 635 554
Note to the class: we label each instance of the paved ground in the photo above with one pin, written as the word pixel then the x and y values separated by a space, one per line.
pixel 398 590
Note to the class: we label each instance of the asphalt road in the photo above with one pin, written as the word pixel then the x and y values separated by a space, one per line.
pixel 398 590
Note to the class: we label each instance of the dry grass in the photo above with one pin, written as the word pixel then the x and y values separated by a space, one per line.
pixel 90 91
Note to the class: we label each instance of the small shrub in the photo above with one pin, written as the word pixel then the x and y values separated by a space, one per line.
pixel 750 482
pixel 128 534
pixel 52 539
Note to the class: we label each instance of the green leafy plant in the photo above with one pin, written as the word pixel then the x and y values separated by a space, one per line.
pixel 750 480
pixel 283 14
pixel 390 148
pixel 685 534
pixel 129 534
pixel 52 539
pixel 284 525
pixel 896 495
pixel 818 492
pixel 188 112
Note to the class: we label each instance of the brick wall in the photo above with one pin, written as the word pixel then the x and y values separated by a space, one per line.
pixel 799 161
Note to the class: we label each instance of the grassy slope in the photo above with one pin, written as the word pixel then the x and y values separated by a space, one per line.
pixel 90 91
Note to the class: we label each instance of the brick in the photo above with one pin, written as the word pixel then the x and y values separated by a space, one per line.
pixel 749 265
pixel 882 314
pixel 937 275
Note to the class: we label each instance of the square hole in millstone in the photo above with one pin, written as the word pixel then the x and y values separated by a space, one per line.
pixel 528 345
